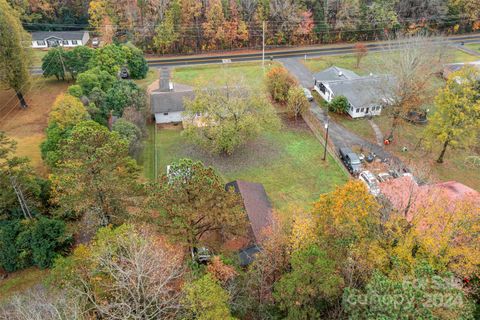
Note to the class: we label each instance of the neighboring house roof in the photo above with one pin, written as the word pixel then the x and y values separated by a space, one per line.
pixel 335 73
pixel 257 206
pixel 361 92
pixel 64 35
pixel 406 195
pixel 162 102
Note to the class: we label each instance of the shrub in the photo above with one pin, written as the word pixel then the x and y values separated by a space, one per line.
pixel 339 105
pixel 137 64
pixel 279 81
pixel 75 91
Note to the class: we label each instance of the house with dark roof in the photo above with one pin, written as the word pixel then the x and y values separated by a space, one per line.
pixel 167 102
pixel 364 93
pixel 450 68
pixel 259 212
pixel 47 39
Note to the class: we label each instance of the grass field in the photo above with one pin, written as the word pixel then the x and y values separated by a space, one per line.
pixel 474 46
pixel 252 72
pixel 27 126
pixel 288 163
pixel 367 64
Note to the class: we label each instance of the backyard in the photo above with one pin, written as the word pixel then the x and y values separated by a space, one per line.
pixel 287 162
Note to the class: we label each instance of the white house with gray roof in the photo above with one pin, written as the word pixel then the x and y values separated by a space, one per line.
pixel 167 102
pixel 364 94
pixel 70 39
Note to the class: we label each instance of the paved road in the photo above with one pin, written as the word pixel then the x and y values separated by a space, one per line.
pixel 323 50
pixel 340 136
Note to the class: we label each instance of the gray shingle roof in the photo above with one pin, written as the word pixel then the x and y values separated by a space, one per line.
pixel 335 73
pixel 162 102
pixel 361 92
pixel 64 35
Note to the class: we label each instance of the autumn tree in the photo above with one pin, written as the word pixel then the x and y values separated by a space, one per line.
pixel 223 119
pixel 66 112
pixel 95 175
pixel 15 53
pixel 279 81
pixel 130 132
pixel 361 51
pixel 166 33
pixel 297 103
pixel 191 201
pixel 122 274
pixel 313 283
pixel 214 25
pixel 456 121
pixel 205 299
pixel 409 65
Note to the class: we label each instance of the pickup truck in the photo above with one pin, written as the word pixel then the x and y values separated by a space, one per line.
pixel 351 160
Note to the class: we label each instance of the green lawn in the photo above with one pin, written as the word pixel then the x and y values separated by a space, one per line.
pixel 251 71
pixel 367 64
pixel 474 46
pixel 288 163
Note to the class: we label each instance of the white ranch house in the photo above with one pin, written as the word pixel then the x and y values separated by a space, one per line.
pixel 364 94
pixel 70 39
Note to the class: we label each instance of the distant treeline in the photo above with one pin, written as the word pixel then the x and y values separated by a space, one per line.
pixel 186 26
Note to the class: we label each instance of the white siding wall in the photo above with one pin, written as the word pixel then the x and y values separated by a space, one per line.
pixel 169 117
pixel 35 44
pixel 355 112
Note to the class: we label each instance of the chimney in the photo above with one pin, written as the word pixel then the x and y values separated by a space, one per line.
pixel 164 80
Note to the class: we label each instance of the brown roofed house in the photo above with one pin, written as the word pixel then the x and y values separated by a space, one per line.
pixel 259 212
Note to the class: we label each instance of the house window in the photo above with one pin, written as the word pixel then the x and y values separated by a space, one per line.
pixel 74 42
pixel 165 113
pixel 357 110
pixel 322 88
pixel 65 42
pixel 41 43
pixel 362 109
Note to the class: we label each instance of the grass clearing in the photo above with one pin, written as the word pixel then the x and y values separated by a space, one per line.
pixel 288 163
pixel 151 77
pixel 20 281
pixel 27 127
pixel 251 71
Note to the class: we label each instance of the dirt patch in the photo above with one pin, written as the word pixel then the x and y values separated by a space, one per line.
pixel 258 152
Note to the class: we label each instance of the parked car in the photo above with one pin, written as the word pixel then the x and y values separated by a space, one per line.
pixel 308 94
pixel 124 73
pixel 201 255
pixel 370 181
pixel 95 42
pixel 351 160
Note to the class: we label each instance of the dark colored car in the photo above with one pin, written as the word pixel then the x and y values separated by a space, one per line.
pixel 351 160
pixel 124 73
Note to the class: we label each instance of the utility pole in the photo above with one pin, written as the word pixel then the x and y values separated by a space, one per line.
pixel 21 198
pixel 63 64
pixel 326 139
pixel 263 45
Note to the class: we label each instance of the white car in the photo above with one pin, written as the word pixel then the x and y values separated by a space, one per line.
pixel 370 181
pixel 308 94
